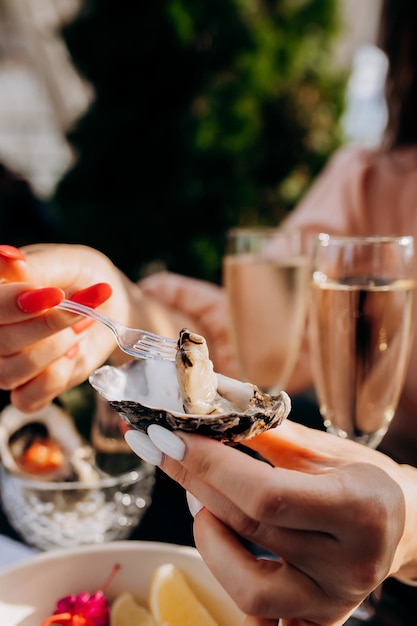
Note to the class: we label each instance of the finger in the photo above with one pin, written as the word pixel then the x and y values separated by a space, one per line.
pixel 261 587
pixel 278 496
pixel 149 448
pixel 300 548
pixel 42 389
pixel 71 261
pixel 182 292
pixel 205 304
pixel 295 446
pixel 143 447
pixel 303 549
pixel 217 501
pixel 10 309
pixel 19 368
pixel 66 371
pixel 13 266
pixel 49 327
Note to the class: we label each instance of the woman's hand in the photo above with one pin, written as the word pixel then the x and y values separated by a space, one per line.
pixel 44 351
pixel 341 518
pixel 206 307
pixel 202 307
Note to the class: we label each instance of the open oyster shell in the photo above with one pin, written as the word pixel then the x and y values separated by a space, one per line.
pixel 162 392
pixel 73 459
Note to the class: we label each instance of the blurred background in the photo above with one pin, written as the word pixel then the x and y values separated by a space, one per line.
pixel 147 129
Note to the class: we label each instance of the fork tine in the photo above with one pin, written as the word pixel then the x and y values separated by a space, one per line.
pixel 143 347
pixel 160 339
pixel 147 353
pixel 144 344
pixel 155 343
pixel 158 342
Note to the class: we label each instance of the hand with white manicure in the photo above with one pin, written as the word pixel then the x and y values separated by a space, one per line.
pixel 323 505
pixel 149 447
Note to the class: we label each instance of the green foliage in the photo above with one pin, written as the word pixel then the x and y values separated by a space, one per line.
pixel 207 115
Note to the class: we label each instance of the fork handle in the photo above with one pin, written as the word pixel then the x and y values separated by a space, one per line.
pixel 86 311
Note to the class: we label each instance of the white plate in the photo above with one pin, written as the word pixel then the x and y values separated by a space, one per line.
pixel 29 590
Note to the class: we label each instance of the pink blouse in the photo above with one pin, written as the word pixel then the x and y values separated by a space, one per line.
pixel 362 192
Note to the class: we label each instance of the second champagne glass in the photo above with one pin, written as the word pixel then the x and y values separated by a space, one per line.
pixel 361 324
pixel 265 273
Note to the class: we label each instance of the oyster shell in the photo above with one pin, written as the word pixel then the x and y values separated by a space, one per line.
pixel 188 395
pixel 26 439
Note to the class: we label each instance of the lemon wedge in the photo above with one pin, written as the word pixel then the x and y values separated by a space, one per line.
pixel 126 611
pixel 172 601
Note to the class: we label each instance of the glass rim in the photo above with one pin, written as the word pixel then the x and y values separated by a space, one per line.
pixel 327 238
pixel 130 477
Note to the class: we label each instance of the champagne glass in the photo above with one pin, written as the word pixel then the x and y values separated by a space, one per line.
pixel 360 326
pixel 265 273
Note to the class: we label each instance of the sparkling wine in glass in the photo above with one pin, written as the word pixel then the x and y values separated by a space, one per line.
pixel 265 272
pixel 360 325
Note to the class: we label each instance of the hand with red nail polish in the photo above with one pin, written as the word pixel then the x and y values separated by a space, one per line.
pixel 92 296
pixel 12 264
pixel 37 300
pixel 11 253
pixel 40 354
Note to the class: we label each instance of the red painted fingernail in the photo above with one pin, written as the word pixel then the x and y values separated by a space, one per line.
pixel 37 300
pixel 123 427
pixel 72 352
pixel 94 295
pixel 79 327
pixel 12 253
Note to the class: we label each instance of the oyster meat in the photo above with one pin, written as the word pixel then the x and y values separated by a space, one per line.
pixel 188 395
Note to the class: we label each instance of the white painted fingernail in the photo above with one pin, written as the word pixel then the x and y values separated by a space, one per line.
pixel 143 447
pixel 167 441
pixel 194 505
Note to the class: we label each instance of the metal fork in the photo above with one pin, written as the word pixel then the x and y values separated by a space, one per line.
pixel 138 343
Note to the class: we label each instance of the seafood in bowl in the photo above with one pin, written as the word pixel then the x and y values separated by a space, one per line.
pixel 189 395
pixel 44 445
pixel 52 489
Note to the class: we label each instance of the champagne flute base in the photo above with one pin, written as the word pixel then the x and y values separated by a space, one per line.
pixel 371 440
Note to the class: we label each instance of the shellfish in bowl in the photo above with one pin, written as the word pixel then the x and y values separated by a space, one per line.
pixel 44 445
pixel 188 395
pixel 52 490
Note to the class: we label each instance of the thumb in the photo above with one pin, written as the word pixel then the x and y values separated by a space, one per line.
pixel 294 446
pixel 298 447
pixel 14 266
